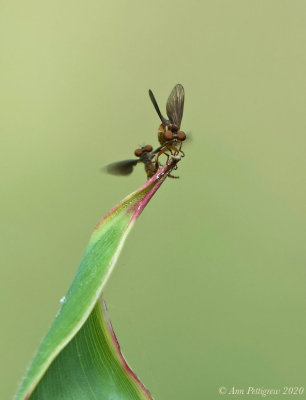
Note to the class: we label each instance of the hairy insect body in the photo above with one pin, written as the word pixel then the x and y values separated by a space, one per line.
pixel 170 136
pixel 151 168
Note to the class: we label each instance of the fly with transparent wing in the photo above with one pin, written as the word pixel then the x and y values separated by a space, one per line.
pixel 170 136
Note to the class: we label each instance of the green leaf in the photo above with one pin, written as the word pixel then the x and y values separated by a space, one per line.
pixel 91 366
pixel 79 358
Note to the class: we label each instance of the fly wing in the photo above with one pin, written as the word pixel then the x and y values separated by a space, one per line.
pixel 175 105
pixel 121 168
pixel 162 118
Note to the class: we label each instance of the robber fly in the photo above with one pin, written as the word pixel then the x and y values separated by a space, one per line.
pixel 169 134
pixel 145 155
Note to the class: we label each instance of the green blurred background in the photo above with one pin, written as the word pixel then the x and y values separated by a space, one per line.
pixel 210 288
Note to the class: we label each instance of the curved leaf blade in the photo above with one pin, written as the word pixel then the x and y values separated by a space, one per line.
pixel 97 263
pixel 99 369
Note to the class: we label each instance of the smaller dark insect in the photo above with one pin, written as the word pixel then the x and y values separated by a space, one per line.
pixel 145 155
pixel 169 134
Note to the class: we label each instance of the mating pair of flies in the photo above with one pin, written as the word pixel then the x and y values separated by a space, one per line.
pixel 170 138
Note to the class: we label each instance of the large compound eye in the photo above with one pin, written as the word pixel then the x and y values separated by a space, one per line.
pixel 138 152
pixel 148 148
pixel 181 135
pixel 168 135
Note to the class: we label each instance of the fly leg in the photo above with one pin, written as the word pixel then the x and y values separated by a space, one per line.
pixel 176 150
pixel 180 150
pixel 163 150
pixel 173 176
